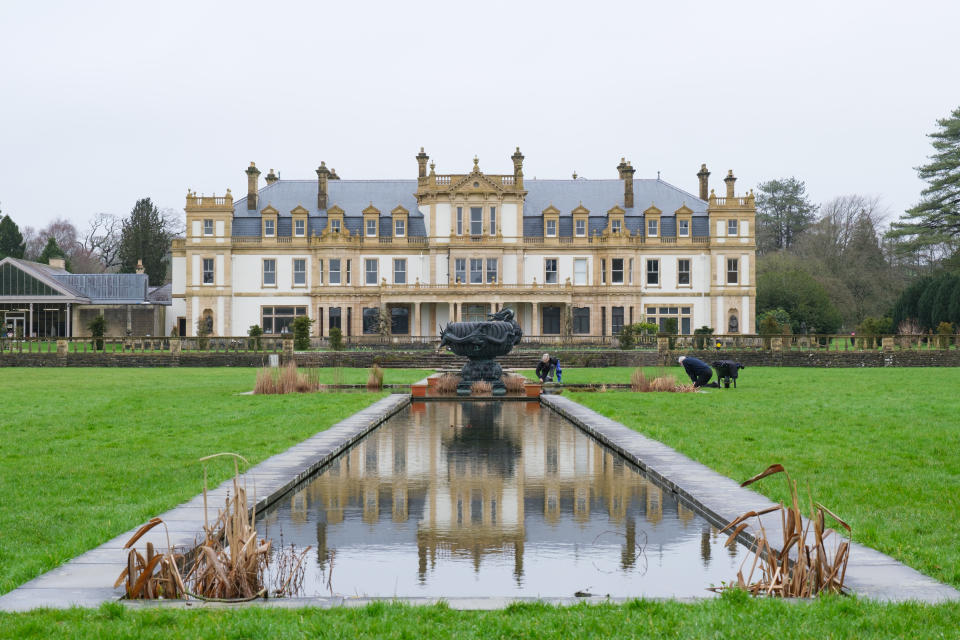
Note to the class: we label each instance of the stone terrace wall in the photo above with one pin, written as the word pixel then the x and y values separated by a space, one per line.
pixel 823 359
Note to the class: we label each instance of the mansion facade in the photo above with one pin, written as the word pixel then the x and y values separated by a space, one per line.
pixel 576 257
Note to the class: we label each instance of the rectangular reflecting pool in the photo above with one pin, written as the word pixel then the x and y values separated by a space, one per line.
pixel 454 499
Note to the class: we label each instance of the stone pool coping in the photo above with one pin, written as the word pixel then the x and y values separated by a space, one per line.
pixel 870 574
pixel 87 580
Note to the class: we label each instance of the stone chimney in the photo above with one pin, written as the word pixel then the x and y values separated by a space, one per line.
pixel 140 266
pixel 58 263
pixel 621 167
pixel 323 175
pixel 272 177
pixel 703 175
pixel 627 173
pixel 422 159
pixel 253 174
pixel 731 181
pixel 517 158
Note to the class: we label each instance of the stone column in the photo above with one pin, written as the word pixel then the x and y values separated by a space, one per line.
pixel 415 317
pixel 535 318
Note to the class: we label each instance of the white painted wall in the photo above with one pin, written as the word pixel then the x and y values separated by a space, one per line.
pixel 218 275
pixel 177 308
pixel 509 268
pixel 510 222
pixel 443 273
pixel 179 277
pixel 443 222
pixel 247 273
pixel 219 228
pixel 197 266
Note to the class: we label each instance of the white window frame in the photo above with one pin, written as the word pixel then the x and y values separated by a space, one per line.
pixel 688 272
pixel 614 270
pixel 370 228
pixel 555 271
pixel 400 262
pixel 400 227
pixel 366 271
pixel 478 230
pixel 204 271
pixel 656 263
pixel 495 272
pixel 580 228
pixel 335 273
pixel 616 225
pixel 479 271
pixel 335 225
pixel 269 228
pixel 735 263
pixel 268 274
pixel 459 221
pixel 456 271
pixel 296 272
pixel 208 226
pixel 731 227
pixel 493 221
pixel 580 278
pixel 683 228
pixel 653 228
pixel 300 228
pixel 547 230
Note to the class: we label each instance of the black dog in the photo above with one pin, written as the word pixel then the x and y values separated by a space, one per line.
pixel 727 370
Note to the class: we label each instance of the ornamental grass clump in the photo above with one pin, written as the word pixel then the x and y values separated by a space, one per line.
pixel 802 566
pixel 447 383
pixel 641 383
pixel 481 388
pixel 273 380
pixel 375 379
pixel 514 383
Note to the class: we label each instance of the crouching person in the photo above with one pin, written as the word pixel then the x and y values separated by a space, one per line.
pixel 546 368
pixel 698 370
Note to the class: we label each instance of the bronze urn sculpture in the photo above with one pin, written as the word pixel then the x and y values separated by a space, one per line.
pixel 481 342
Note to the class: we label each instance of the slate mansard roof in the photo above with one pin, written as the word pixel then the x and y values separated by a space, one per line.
pixel 353 196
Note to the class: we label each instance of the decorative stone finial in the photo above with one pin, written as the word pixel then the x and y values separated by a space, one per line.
pixel 476 164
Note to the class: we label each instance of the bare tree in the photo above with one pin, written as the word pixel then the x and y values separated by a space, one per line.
pixel 102 239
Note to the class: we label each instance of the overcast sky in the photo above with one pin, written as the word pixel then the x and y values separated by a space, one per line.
pixel 104 103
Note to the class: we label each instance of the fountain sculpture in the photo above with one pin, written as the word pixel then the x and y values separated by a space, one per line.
pixel 481 342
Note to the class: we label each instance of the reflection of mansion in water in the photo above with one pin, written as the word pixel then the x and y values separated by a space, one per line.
pixel 481 490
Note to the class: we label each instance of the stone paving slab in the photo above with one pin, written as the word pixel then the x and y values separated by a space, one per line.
pixel 87 580
pixel 870 573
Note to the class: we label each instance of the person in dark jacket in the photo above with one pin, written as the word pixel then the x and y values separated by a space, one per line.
pixel 698 370
pixel 546 367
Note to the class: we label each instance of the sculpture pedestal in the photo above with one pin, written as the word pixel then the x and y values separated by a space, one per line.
pixel 486 370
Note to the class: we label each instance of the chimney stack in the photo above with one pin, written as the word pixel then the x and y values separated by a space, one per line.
pixel 627 172
pixel 323 175
pixel 272 177
pixel 704 175
pixel 252 187
pixel 730 180
pixel 58 263
pixel 621 167
pixel 140 266
pixel 422 159
pixel 517 158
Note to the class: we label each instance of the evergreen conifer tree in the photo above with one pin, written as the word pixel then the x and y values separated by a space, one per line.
pixel 52 250
pixel 11 240
pixel 145 237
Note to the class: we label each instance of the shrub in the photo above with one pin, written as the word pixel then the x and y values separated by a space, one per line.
pixel 702 336
pixel 301 333
pixel 769 325
pixel 202 332
pixel 670 326
pixel 375 379
pixel 255 332
pixel 336 339
pixel 97 327
pixel 627 337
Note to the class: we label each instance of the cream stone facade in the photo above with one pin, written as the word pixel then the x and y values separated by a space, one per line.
pixel 574 258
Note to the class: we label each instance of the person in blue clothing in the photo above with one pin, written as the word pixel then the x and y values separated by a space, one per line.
pixel 698 370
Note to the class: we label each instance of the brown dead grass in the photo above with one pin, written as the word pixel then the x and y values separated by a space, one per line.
pixel 481 388
pixel 288 379
pixel 514 383
pixel 665 383
pixel 375 379
pixel 447 383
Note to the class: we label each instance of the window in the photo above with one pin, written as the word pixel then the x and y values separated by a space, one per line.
pixel 581 320
pixel 551 320
pixel 580 271
pixel 460 270
pixel 269 228
pixel 653 273
pixel 474 312
pixel 476 221
pixel 320 271
pixel 732 268
pixel 476 270
pixel 334 271
pixel 270 273
pixel 493 221
pixel 299 228
pixel 371 227
pixel 616 320
pixel 371 267
pixel 208 227
pixel 400 227
pixel 459 221
pixel 371 320
pixel 683 272
pixel 652 228
pixel 683 228
pixel 299 272
pixel 208 271
pixel 335 225
pixel 671 319
pixel 630 272
pixel 616 271
pixel 335 317
pixel 603 271
pixel 279 319
pixel 550 270
pixel 399 321
pixel 349 272
pixel 581 227
pixel 491 270
pixel 731 227
pixel 616 225
pixel 551 228
pixel 399 271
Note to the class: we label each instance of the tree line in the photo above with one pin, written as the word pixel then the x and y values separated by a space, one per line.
pixel 109 243
pixel 822 268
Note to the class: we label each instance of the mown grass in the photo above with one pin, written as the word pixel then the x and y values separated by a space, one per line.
pixel 877 446
pixel 729 617
pixel 88 453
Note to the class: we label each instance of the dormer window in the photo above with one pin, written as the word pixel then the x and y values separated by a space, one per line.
pixel 683 228
pixel 551 228
pixel 652 228
pixel 371 227
pixel 208 227
pixel 335 226
pixel 399 228
pixel 616 225
pixel 269 228
pixel 581 228
pixel 299 228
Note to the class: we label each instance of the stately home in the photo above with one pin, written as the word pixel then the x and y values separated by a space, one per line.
pixel 575 257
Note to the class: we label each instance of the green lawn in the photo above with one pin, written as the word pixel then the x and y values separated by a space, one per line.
pixel 877 446
pixel 88 453
pixel 729 617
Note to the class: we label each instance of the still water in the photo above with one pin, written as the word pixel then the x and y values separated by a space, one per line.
pixel 493 499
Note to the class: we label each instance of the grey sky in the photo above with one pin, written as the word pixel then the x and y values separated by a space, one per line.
pixel 104 103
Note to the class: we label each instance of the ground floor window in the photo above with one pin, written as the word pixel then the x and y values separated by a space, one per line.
pixel 399 321
pixel 371 320
pixel 280 319
pixel 671 319
pixel 335 316
pixel 474 312
pixel 581 320
pixel 551 320
pixel 616 320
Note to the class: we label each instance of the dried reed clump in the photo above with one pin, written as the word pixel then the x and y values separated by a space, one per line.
pixel 375 379
pixel 271 380
pixel 803 567
pixel 514 383
pixel 447 383
pixel 481 388
pixel 640 382
pixel 229 565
